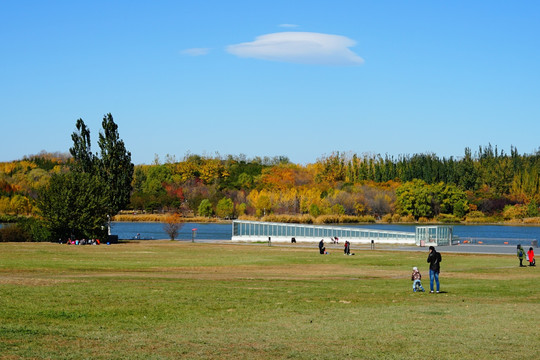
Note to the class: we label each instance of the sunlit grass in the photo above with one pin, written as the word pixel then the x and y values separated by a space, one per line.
pixel 163 299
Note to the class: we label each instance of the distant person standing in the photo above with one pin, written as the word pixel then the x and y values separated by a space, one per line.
pixel 520 255
pixel 347 249
pixel 321 247
pixel 434 259
pixel 530 254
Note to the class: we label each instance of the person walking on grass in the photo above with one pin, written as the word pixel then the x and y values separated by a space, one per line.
pixel 434 259
pixel 520 255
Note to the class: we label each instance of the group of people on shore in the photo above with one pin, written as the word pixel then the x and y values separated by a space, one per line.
pixel 83 242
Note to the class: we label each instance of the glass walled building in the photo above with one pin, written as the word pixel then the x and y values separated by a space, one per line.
pixel 279 232
pixel 434 235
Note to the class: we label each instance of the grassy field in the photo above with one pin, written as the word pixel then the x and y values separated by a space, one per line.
pixel 171 300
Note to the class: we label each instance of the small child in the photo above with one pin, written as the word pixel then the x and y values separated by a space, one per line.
pixel 416 277
pixel 530 255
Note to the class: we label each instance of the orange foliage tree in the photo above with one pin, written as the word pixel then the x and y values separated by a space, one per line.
pixel 172 225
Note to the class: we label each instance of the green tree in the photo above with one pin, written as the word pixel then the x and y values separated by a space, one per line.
pixel 83 159
pixel 415 198
pixel 73 204
pixel 314 210
pixel 532 209
pixel 466 172
pixel 225 208
pixel 241 209
pixel 205 208
pixel 461 208
pixel 114 167
pixel 156 176
pixel 446 197
pixel 80 202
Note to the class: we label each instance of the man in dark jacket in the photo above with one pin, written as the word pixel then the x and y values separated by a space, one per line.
pixel 321 247
pixel 434 259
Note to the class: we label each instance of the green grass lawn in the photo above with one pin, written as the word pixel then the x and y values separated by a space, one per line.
pixel 171 300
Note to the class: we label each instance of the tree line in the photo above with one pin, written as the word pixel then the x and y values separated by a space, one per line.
pixel 488 184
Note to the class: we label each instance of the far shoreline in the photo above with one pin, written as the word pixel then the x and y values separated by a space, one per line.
pixel 161 218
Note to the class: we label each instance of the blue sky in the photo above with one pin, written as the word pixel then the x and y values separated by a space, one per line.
pixel 267 78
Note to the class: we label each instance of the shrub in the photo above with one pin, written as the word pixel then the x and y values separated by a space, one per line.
pixel 479 217
pixel 532 220
pixel 387 218
pixel 448 219
pixel 517 211
pixel 314 210
pixel 35 228
pixel 14 233
pixel 338 209
pixel 281 218
pixel 172 225
pixel 248 218
pixel 140 217
pixel 327 219
pixel 475 214
pixel 366 219
pixel 343 219
pixel 407 219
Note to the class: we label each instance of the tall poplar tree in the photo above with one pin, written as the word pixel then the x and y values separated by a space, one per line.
pixel 98 187
pixel 114 166
pixel 83 159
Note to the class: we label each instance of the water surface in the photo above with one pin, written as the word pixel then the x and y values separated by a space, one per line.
pixel 494 234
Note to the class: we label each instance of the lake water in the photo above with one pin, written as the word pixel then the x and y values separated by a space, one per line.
pixel 155 231
pixel 488 234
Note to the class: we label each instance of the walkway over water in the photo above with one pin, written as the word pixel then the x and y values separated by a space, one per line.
pixel 278 232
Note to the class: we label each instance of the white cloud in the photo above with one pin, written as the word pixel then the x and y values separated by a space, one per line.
pixel 300 47
pixel 196 51
pixel 288 25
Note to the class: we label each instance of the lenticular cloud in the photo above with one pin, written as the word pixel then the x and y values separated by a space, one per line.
pixel 300 47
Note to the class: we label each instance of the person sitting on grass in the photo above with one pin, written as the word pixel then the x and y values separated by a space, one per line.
pixel 416 277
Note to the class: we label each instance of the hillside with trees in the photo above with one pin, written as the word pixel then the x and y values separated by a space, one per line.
pixel 488 185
